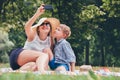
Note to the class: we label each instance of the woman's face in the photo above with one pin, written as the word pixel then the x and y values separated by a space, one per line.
pixel 44 27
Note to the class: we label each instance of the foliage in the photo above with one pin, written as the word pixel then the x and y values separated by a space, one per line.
pixel 112 7
pixel 5 45
pixel 91 12
pixel 94 24
pixel 111 32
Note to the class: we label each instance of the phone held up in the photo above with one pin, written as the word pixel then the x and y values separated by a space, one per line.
pixel 48 7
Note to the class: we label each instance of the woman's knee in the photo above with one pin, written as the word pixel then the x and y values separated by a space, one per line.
pixel 44 55
pixel 31 63
pixel 30 66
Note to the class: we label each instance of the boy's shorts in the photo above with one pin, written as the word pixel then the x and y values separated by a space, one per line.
pixel 54 65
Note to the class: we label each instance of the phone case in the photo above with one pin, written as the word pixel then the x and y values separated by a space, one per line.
pixel 48 7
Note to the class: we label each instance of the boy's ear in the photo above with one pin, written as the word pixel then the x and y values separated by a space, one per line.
pixel 65 36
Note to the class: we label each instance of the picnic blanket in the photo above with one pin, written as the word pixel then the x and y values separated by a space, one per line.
pixel 100 72
pixel 49 72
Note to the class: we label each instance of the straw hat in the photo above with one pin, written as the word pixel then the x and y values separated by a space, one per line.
pixel 54 22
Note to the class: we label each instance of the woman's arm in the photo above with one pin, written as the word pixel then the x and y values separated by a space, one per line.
pixel 29 32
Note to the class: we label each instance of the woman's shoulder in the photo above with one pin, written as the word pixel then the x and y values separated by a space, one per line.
pixel 31 39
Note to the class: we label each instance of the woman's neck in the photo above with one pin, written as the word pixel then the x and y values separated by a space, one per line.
pixel 43 36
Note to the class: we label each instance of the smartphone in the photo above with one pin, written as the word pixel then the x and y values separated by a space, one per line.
pixel 48 7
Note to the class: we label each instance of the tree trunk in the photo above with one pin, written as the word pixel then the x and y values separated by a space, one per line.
pixel 1 4
pixel 87 53
pixel 102 50
pixel 102 56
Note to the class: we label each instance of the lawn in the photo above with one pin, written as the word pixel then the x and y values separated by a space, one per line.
pixel 34 76
pixel 31 76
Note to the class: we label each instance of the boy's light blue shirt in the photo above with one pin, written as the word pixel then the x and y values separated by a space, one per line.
pixel 63 52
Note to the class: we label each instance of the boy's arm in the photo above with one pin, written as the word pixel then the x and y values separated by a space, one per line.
pixel 72 66
pixel 70 56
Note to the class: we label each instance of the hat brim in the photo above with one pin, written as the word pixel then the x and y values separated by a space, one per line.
pixel 54 22
pixel 39 23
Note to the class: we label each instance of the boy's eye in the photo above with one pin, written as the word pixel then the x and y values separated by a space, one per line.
pixel 58 29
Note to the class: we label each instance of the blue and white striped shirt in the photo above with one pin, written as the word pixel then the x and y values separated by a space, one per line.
pixel 63 52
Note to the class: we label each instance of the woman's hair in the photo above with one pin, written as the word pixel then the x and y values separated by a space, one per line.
pixel 66 30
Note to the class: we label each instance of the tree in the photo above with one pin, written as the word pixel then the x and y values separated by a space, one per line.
pixel 94 25
pixel 111 31
pixel 5 45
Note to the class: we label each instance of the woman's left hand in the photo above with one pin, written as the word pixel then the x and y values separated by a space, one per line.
pixel 41 9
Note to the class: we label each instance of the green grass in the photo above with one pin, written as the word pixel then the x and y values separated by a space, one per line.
pixel 2 65
pixel 31 76
pixel 112 69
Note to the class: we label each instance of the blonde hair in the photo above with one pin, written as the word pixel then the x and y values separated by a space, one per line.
pixel 66 30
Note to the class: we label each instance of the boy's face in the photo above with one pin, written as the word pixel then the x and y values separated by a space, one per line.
pixel 59 33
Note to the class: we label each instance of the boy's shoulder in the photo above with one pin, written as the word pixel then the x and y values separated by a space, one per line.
pixel 65 42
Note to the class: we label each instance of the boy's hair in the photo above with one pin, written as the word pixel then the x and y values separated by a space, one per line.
pixel 66 30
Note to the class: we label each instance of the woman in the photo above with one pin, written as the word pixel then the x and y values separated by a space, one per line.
pixel 38 38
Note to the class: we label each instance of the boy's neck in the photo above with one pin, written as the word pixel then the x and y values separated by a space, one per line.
pixel 59 39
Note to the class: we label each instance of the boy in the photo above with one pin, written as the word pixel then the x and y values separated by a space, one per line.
pixel 64 58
